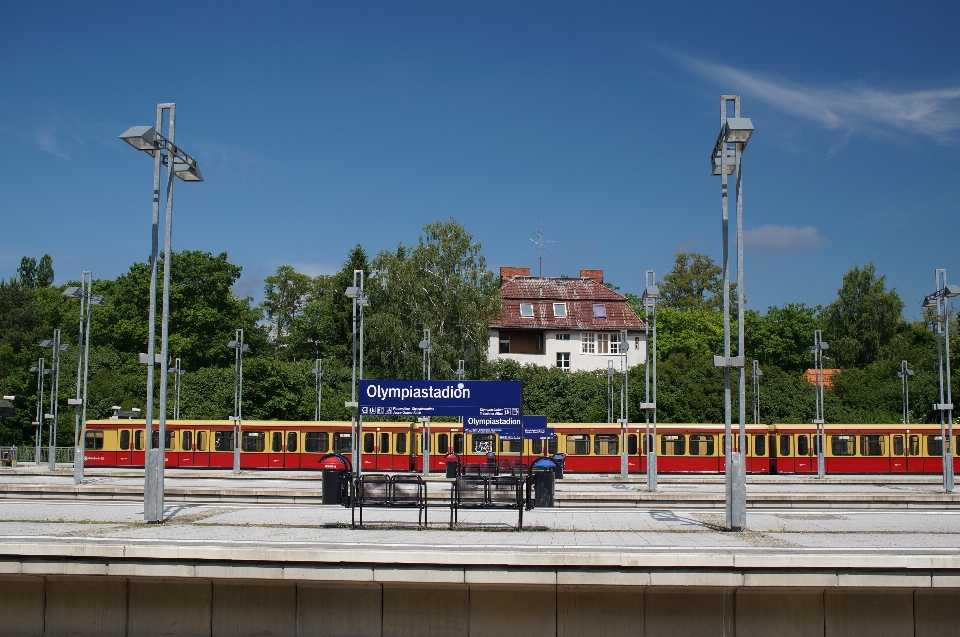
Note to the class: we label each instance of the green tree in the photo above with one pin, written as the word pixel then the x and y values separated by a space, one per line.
pixel 285 295
pixel 782 337
pixel 694 283
pixel 864 318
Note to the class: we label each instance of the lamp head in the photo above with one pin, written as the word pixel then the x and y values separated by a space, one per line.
pixel 141 137
pixel 73 292
pixel 187 169
pixel 950 291
pixel 738 130
pixel 98 300
pixel 651 292
pixel 46 343
pixel 352 292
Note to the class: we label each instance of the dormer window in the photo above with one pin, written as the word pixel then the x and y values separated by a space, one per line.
pixel 526 310
pixel 599 311
pixel 560 310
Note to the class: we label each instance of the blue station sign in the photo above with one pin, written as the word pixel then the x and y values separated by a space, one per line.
pixel 483 398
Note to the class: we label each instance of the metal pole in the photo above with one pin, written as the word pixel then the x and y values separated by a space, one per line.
pixel 819 416
pixel 318 373
pixel 353 388
pixel 425 435
pixel 238 400
pixel 361 301
pixel 40 374
pixel 652 485
pixel 946 398
pixel 624 404
pixel 728 445
pixel 54 404
pixel 740 485
pixel 150 510
pixel 77 441
pixel 756 392
pixel 78 465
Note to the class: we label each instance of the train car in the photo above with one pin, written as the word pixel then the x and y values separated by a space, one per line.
pixel 587 447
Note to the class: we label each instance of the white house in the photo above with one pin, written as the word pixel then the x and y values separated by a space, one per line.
pixel 574 324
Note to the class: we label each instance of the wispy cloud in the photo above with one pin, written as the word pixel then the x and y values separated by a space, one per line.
pixel 770 239
pixel 48 138
pixel 933 113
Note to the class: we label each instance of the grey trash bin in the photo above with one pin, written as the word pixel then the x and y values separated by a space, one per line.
pixel 332 492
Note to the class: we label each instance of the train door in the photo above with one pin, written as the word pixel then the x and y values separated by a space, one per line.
pixel 772 445
pixel 785 460
pixel 898 453
pixel 403 459
pixel 125 448
pixel 275 455
pixel 201 448
pixel 633 453
pixel 806 460
pixel 185 448
pixel 291 450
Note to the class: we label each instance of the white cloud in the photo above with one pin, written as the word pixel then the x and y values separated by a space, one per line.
pixel 933 113
pixel 770 239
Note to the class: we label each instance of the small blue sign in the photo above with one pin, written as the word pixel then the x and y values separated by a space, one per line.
pixel 535 428
pixel 441 398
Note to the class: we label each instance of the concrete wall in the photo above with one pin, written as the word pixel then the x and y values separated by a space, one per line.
pixel 93 606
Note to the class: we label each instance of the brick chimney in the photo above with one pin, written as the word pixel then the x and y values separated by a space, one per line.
pixel 594 275
pixel 507 273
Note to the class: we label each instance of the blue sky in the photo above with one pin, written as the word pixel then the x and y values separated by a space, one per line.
pixel 322 125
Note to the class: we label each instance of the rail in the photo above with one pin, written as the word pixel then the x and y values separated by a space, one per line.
pixel 28 454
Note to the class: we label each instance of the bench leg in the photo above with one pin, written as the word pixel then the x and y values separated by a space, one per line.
pixel 353 521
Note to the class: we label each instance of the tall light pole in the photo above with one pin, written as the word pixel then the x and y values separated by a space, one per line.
pixel 904 374
pixel 624 404
pixel 734 134
pixel 56 347
pixel 318 387
pixel 165 153
pixel 757 373
pixel 818 348
pixel 239 349
pixel 360 300
pixel 938 300
pixel 427 346
pixel 87 299
pixel 651 292
pixel 177 372
pixel 40 371
pixel 610 375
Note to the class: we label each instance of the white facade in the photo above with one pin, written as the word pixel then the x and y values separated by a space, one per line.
pixel 574 345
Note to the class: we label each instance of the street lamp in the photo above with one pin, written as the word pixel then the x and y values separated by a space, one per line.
pixel 904 374
pixel 734 134
pixel 40 371
pixel 757 373
pixel 239 348
pixel 360 300
pixel 56 347
pixel 624 405
pixel 610 374
pixel 165 152
pixel 938 300
pixel 318 387
pixel 87 299
pixel 651 292
pixel 427 346
pixel 818 348
pixel 177 372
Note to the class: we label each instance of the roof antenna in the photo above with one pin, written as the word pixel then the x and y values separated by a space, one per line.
pixel 538 243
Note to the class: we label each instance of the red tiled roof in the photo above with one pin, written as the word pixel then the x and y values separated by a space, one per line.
pixel 580 295
pixel 811 376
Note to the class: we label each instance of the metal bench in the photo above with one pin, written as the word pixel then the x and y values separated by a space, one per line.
pixel 496 492
pixel 381 490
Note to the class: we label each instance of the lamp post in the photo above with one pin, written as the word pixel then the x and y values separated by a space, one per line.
pixel 757 373
pixel 938 300
pixel 56 347
pixel 318 387
pixel 148 139
pixel 904 374
pixel 360 300
pixel 427 346
pixel 239 349
pixel 651 292
pixel 87 299
pixel 610 374
pixel 40 371
pixel 818 348
pixel 624 404
pixel 177 372
pixel 734 134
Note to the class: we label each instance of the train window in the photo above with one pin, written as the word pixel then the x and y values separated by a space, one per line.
pixel 511 446
pixel 401 443
pixel 124 440
pixel 384 443
pixel 898 445
pixel 537 447
pixel 169 438
pixel 648 443
pixel 201 441
pixel 606 444
pixel 873 445
pixel 342 441
pixel 673 445
pixel 155 439
pixel 223 441
pixel 784 445
pixel 578 444
pixel 457 443
pixel 368 443
pixel 913 443
pixel 632 444
pixel 138 437
pixel 291 441
pixel 94 440
pixel 186 441
pixel 760 444
pixel 843 445
pixel 316 442
pixel 553 445
pixel 253 441
pixel 276 442
pixel 934 445
pixel 701 445
pixel 443 443
pixel 482 443
pixel 803 447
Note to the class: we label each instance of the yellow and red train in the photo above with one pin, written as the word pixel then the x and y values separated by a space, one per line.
pixel 590 447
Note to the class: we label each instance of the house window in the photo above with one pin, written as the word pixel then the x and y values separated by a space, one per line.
pixel 588 343
pixel 526 310
pixel 563 337
pixel 599 311
pixel 636 343
pixel 504 343
pixel 615 343
pixel 560 310
pixel 563 360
